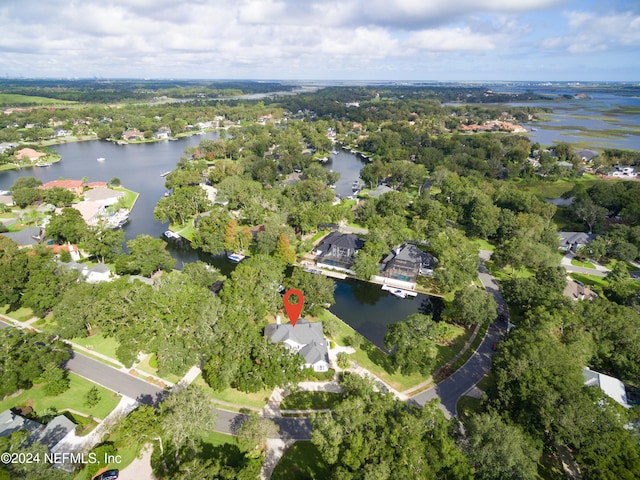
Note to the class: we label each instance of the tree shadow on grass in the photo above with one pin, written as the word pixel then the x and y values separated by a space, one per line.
pixel 379 357
pixel 301 461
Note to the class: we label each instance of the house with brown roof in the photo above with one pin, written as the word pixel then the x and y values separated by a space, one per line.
pixel 30 154
pixel 74 186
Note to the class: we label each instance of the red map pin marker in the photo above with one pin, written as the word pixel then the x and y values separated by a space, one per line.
pixel 293 310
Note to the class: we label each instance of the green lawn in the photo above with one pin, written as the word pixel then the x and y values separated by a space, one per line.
pixel 186 230
pixel 590 280
pixel 483 244
pixel 231 395
pixel 507 273
pixel 97 343
pixel 578 263
pixel 319 234
pixel 377 362
pixel 74 398
pixel 145 366
pixel 301 462
pixel 15 99
pixel 22 314
pixel 310 401
pixel 468 406
pixel 129 198
pixel 556 188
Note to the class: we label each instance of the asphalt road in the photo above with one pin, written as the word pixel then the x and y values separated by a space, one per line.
pixel 148 394
pixel 451 389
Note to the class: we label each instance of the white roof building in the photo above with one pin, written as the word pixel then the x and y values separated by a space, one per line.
pixel 612 387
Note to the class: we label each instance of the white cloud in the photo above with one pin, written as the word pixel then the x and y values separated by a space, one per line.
pixel 452 39
pixel 590 32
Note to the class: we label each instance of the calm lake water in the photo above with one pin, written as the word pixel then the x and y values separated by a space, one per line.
pixel 365 307
pixel 369 309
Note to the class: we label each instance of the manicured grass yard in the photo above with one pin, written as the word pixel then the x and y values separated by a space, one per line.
pixel 590 280
pixel 301 462
pixel 310 401
pixel 104 345
pixel 74 398
pixel 578 263
pixel 377 362
pixel 468 406
pixel 129 198
pixel 146 366
pixel 483 244
pixel 231 395
pixel 22 314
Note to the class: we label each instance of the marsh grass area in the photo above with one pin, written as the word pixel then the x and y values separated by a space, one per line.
pixel 74 399
pixel 370 357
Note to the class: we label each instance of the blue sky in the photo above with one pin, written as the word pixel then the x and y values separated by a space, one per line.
pixel 445 40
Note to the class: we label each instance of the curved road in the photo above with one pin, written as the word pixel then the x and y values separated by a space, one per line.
pixel 148 394
pixel 449 390
pixel 456 385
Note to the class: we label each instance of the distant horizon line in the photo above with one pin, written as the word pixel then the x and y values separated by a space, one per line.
pixel 325 81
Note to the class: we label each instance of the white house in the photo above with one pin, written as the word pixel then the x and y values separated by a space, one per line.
pixel 306 338
pixel 612 387
pixel 623 171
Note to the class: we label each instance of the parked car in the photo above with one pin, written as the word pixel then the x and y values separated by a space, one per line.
pixel 108 475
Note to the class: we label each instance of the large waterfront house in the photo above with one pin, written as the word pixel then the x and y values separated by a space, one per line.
pixel 337 251
pixel 306 338
pixel 404 264
pixel 74 186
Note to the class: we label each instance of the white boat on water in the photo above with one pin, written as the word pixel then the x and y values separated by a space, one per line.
pixel 235 257
pixel 398 293
pixel 164 174
pixel 101 159
pixel 172 235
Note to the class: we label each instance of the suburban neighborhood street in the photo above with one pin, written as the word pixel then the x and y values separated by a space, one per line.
pixel 451 389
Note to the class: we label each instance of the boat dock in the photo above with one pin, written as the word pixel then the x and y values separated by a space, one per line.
pixel 405 293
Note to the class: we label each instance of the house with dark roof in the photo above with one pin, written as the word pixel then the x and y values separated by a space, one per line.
pixel 586 155
pixel 27 237
pixel 337 251
pixel 306 338
pixel 49 435
pixel 405 263
pixel 12 422
pixel 572 241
